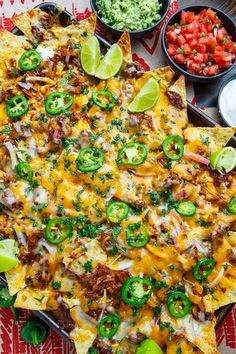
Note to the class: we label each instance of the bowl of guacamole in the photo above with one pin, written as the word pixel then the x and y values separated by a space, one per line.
pixel 139 17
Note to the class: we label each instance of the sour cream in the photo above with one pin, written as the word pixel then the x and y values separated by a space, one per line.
pixel 227 103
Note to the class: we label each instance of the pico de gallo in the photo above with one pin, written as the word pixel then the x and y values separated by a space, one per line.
pixel 200 43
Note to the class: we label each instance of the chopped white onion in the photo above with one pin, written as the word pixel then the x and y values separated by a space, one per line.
pixel 12 153
pixel 217 278
pixel 51 249
pixel 21 238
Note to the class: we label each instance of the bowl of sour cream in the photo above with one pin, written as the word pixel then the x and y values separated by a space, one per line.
pixel 227 101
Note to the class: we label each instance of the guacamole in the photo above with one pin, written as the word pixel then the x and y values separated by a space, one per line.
pixel 131 15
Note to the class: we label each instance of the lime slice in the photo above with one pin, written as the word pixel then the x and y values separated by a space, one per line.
pixel 147 96
pixel 111 63
pixel 90 55
pixel 8 252
pixel 223 160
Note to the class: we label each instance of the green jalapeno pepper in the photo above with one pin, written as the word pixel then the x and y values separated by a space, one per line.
pixel 132 154
pixel 17 106
pixel 30 60
pixel 6 299
pixel 136 291
pixel 173 147
pixel 34 331
pixel 117 211
pixel 137 235
pixel 90 159
pixel 24 171
pixel 186 208
pixel 203 268
pixel 57 102
pixel 148 346
pixel 232 205
pixel 178 304
pixel 108 326
pixel 104 99
pixel 57 230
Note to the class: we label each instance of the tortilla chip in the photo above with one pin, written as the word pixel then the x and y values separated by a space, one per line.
pixel 36 299
pixel 79 31
pixel 125 44
pixel 33 23
pixel 85 331
pixel 217 136
pixel 12 47
pixel 201 334
pixel 165 74
pixel 94 252
pixel 83 339
pixel 184 345
pixel 16 279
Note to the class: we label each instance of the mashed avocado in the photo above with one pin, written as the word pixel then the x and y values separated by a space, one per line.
pixel 132 15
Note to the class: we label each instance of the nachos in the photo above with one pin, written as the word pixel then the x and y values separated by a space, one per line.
pixel 123 229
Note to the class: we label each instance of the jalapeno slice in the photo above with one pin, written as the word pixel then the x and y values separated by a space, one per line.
pixel 178 304
pixel 90 159
pixel 136 291
pixel 24 171
pixel 30 60
pixel 117 211
pixel 6 299
pixel 132 154
pixel 108 326
pixel 104 99
pixel 232 205
pixel 137 235
pixel 17 106
pixel 186 208
pixel 203 268
pixel 57 230
pixel 34 331
pixel 173 147
pixel 57 102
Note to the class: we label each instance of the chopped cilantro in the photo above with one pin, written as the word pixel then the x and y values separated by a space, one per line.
pixel 88 265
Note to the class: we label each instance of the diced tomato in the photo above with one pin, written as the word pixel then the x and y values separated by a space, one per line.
pixel 212 42
pixel 201 43
pixel 180 58
pixel 220 35
pixel 181 40
pixel 211 70
pixel 172 49
pixel 198 58
pixel 171 36
pixel 211 14
pixel 186 17
pixel 193 43
pixel 202 48
pixel 186 48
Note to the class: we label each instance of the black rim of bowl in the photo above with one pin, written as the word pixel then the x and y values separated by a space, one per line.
pixel 231 78
pixel 183 71
pixel 132 32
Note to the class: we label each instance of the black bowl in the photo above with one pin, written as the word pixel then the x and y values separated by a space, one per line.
pixel 133 34
pixel 230 27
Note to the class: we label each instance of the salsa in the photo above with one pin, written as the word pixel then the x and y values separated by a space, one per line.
pixel 200 43
pixel 128 14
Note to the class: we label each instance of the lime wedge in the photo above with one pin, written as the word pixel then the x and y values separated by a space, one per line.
pixel 223 160
pixel 147 96
pixel 8 252
pixel 111 63
pixel 90 55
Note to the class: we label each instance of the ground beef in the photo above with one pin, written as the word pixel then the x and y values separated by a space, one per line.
pixel 101 278
pixel 63 317
pixel 133 70
pixel 175 99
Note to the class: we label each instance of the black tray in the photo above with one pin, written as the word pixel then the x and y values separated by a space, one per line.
pixel 197 117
